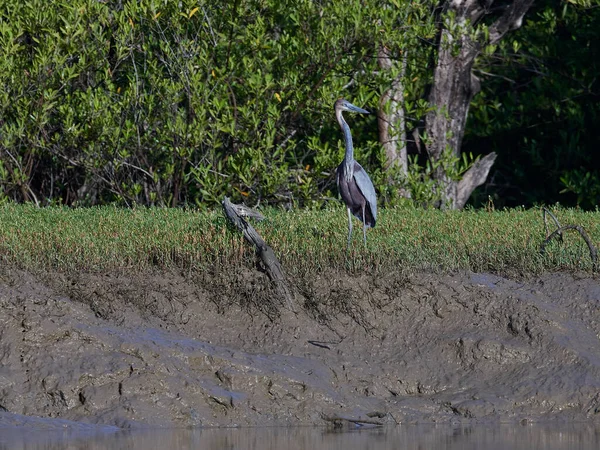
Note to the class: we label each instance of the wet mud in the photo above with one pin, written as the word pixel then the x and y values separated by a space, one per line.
pixel 170 349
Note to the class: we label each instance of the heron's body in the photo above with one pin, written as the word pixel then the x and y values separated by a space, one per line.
pixel 353 182
pixel 354 198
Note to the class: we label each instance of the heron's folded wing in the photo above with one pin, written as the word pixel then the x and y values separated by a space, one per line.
pixel 365 185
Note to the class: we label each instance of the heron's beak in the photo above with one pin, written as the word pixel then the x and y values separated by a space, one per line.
pixel 356 109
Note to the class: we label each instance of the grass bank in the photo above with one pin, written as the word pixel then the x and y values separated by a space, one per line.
pixel 107 238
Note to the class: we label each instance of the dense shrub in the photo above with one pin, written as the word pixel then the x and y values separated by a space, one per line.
pixel 171 103
pixel 166 103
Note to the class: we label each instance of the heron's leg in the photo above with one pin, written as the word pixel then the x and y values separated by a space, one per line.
pixel 364 225
pixel 349 227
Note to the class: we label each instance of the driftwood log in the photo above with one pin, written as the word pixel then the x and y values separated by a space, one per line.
pixel 267 261
pixel 338 421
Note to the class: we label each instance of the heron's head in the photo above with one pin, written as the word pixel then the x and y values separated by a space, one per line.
pixel 345 105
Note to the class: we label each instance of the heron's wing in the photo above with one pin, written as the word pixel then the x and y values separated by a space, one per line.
pixel 339 174
pixel 365 185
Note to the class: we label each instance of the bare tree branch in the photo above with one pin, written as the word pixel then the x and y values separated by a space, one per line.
pixel 472 178
pixel 235 214
pixel 547 211
pixel 511 19
pixel 584 235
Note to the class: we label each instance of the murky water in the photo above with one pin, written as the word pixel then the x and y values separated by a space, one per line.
pixel 426 437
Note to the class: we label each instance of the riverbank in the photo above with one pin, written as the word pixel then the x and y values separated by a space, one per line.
pixel 173 348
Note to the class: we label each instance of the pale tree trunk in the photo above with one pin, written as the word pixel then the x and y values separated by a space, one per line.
pixel 391 122
pixel 454 86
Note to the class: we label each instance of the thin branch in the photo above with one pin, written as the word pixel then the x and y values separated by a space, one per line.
pixel 287 138
pixel 483 72
pixel 547 211
pixel 144 171
pixel 584 235
pixel 210 28
pixel 20 183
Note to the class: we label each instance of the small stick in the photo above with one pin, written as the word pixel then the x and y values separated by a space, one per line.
pixel 584 235
pixel 323 344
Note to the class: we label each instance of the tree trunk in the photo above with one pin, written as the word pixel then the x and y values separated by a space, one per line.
pixel 391 122
pixel 454 86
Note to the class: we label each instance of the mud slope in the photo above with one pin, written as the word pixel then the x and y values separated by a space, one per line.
pixel 161 349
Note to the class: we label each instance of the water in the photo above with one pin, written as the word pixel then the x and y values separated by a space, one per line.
pixel 422 437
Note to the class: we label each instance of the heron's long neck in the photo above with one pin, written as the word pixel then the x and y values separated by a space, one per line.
pixel 349 157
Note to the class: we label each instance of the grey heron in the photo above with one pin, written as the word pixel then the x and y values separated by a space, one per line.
pixel 354 184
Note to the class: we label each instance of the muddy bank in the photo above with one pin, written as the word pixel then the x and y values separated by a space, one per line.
pixel 163 349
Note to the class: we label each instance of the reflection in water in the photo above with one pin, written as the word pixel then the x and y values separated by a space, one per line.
pixel 421 437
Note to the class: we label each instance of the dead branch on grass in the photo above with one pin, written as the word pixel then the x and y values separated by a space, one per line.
pixel 548 212
pixel 270 263
pixel 558 233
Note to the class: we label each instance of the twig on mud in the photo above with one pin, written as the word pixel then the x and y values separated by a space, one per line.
pixel 324 344
pixel 547 211
pixel 235 214
pixel 584 235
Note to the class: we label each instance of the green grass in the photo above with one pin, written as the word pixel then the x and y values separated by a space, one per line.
pixel 107 238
